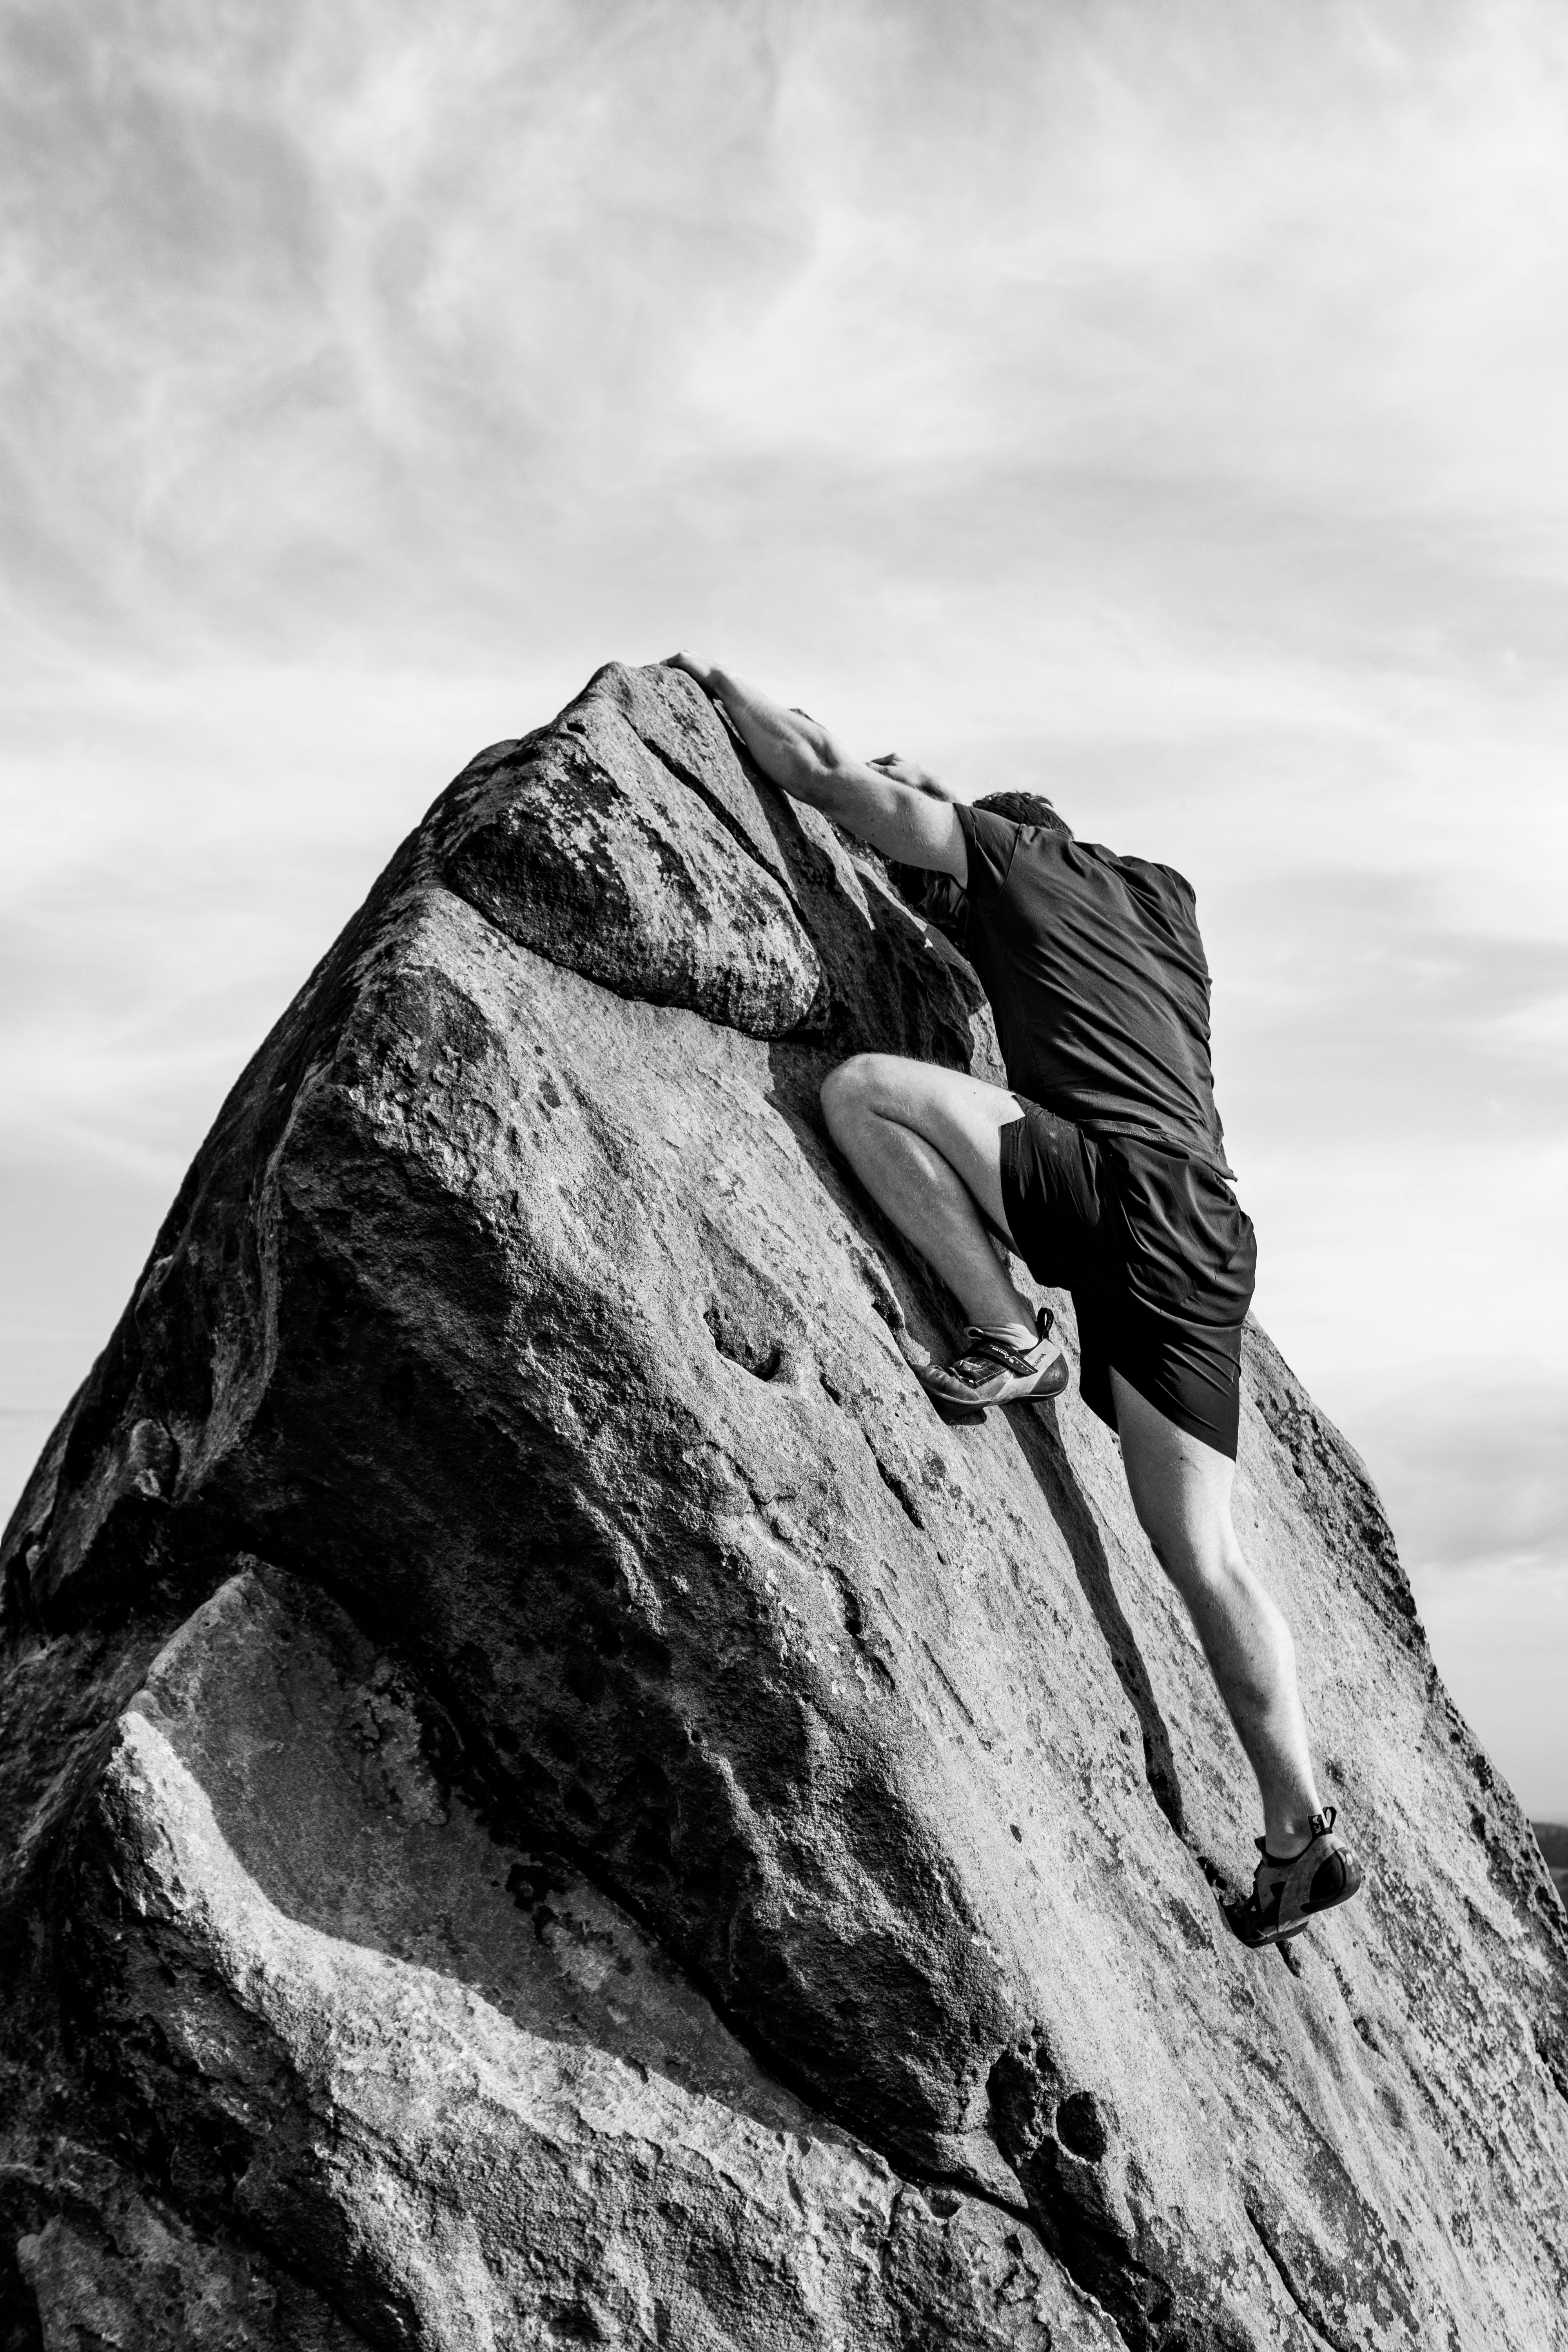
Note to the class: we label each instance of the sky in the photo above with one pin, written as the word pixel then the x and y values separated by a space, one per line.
pixel 1158 407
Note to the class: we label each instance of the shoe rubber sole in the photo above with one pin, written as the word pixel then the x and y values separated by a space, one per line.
pixel 1048 1383
pixel 1347 1879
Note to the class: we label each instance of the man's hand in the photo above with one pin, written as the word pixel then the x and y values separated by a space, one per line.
pixel 694 666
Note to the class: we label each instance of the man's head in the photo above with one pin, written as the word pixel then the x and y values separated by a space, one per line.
pixel 1024 808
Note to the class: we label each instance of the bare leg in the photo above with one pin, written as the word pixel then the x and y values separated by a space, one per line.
pixel 925 1142
pixel 1181 1492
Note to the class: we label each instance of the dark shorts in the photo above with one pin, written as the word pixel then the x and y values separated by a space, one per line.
pixel 1160 1258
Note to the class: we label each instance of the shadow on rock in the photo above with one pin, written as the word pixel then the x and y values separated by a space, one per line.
pixel 1040 1442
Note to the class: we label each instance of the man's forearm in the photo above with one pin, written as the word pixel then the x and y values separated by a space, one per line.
pixel 794 752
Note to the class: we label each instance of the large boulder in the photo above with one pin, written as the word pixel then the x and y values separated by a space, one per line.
pixel 546 1797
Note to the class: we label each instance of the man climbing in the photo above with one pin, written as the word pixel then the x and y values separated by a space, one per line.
pixel 1102 1164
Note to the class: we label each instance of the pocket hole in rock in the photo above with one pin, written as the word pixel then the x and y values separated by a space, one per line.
pixel 1080 2127
pixel 557 1740
pixel 752 1356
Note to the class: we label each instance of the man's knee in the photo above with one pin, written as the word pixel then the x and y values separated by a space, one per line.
pixel 1190 1534
pixel 851 1091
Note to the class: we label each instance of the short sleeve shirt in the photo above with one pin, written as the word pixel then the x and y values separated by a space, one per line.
pixel 1097 980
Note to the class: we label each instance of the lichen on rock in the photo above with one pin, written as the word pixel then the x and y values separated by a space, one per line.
pixel 580 844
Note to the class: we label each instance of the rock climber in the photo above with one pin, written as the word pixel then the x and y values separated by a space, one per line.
pixel 1101 1163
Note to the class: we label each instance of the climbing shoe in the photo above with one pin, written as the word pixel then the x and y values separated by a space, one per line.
pixel 991 1372
pixel 1288 1895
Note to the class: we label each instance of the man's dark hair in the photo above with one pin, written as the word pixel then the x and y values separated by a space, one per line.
pixel 1024 808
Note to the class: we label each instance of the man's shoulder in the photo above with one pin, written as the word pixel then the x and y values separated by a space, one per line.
pixel 1154 884
pixel 1019 858
pixel 1149 870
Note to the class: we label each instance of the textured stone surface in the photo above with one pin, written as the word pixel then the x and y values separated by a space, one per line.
pixel 583 845
pixel 449 2079
pixel 547 1796
pixel 114 2270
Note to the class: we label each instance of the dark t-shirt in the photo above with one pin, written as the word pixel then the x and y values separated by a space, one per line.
pixel 1096 977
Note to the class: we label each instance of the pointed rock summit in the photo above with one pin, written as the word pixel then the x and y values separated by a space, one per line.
pixel 547 1798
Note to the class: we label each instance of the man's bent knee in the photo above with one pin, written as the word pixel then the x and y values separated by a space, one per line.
pixel 852 1089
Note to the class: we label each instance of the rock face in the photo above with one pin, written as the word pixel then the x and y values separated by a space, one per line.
pixel 546 1798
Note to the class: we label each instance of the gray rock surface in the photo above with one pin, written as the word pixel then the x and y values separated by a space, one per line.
pixel 546 1798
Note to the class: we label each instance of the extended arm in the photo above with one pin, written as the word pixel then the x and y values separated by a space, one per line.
pixel 915 824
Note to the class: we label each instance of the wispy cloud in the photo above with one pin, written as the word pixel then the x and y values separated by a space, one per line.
pixel 330 296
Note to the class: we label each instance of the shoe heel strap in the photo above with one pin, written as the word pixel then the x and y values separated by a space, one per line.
pixel 1318 1826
